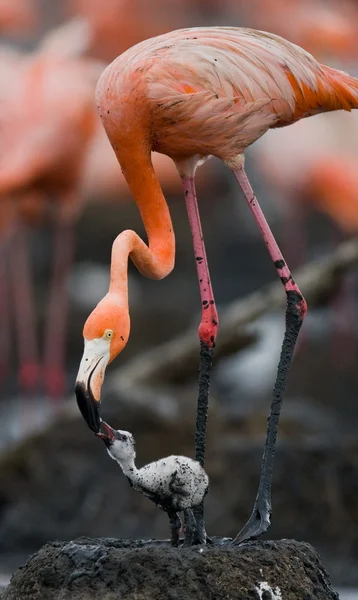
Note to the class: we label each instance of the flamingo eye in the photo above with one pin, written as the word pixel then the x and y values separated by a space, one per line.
pixel 108 334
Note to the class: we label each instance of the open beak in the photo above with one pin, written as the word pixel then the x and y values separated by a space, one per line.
pixel 110 434
pixel 89 382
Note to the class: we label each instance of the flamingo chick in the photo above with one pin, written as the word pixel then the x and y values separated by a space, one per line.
pixel 190 94
pixel 175 484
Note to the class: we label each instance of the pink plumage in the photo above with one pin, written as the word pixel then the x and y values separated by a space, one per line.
pixel 190 94
pixel 215 90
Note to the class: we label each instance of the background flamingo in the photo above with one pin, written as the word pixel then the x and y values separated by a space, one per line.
pixel 45 136
pixel 327 28
pixel 119 24
pixel 18 17
pixel 312 164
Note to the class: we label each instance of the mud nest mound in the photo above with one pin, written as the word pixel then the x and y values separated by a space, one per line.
pixel 109 569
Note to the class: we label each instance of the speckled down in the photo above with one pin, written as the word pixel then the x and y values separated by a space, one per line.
pixel 108 569
pixel 177 481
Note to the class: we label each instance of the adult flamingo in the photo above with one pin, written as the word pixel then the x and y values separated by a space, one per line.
pixel 116 25
pixel 190 94
pixel 46 134
pixel 18 17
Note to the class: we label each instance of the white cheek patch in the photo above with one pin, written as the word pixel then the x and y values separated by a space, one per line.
pixel 97 347
pixel 94 351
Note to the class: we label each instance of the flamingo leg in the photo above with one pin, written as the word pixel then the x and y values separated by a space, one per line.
pixel 55 336
pixel 189 527
pixel 207 334
pixel 5 326
pixel 24 308
pixel 259 520
pixel 296 243
pixel 175 526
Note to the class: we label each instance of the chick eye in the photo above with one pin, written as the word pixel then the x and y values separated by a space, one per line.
pixel 108 334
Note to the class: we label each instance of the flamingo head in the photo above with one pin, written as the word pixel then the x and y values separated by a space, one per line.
pixel 120 444
pixel 105 333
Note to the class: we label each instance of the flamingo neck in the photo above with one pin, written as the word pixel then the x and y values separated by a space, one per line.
pixel 155 260
pixel 129 469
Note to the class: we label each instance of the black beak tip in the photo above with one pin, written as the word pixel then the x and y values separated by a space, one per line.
pixel 88 406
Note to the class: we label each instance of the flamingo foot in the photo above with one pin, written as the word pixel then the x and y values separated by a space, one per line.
pixel 258 523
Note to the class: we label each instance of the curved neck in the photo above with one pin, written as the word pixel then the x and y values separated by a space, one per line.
pixel 155 260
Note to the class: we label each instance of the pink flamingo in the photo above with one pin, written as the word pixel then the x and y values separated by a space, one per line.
pixel 45 136
pixel 313 163
pixel 325 28
pixel 190 94
pixel 119 24
pixel 18 17
pixel 103 181
pixel 332 185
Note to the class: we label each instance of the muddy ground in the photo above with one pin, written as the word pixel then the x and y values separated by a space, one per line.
pixel 62 485
pixel 109 569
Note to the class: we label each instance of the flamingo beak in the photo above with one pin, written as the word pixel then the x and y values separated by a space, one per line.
pixel 109 435
pixel 90 379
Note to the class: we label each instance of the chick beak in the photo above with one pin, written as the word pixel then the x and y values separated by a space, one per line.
pixel 89 382
pixel 109 435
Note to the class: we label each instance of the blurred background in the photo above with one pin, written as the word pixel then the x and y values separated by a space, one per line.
pixel 64 200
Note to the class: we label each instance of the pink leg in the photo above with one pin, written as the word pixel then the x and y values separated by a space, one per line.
pixel 55 341
pixel 24 308
pixel 295 312
pixel 207 334
pixel 5 326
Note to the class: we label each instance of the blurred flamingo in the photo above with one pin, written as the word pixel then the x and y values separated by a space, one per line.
pixel 6 230
pixel 313 163
pixel 332 184
pixel 18 17
pixel 45 134
pixel 119 24
pixel 292 158
pixel 191 94
pixel 11 63
pixel 326 28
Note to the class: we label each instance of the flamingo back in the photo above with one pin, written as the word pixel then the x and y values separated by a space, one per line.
pixel 216 90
